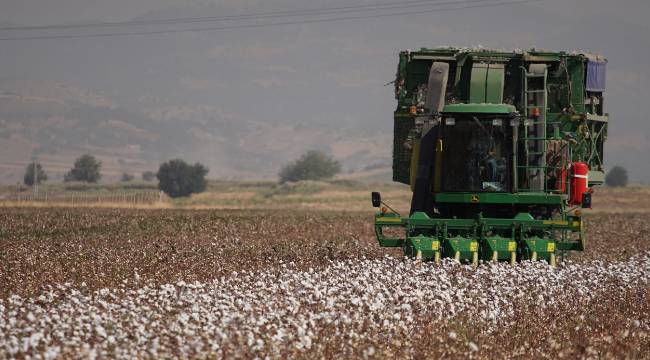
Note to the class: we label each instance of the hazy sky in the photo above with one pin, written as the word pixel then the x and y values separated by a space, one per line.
pixel 329 74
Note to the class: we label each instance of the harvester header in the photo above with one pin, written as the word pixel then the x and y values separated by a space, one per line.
pixel 501 150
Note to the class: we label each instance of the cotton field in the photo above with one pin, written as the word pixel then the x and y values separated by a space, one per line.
pixel 347 307
pixel 169 285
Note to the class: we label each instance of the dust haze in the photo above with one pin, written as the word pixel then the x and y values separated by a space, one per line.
pixel 246 101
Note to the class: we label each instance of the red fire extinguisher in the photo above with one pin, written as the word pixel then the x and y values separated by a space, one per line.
pixel 579 178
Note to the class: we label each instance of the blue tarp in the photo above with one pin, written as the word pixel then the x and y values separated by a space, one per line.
pixel 596 75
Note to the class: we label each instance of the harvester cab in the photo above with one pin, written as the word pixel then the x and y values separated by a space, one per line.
pixel 500 149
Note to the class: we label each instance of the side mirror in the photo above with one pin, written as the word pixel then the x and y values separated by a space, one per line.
pixel 376 199
pixel 586 200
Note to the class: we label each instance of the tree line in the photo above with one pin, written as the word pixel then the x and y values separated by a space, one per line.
pixel 177 178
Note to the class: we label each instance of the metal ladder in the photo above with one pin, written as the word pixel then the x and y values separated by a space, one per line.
pixel 534 136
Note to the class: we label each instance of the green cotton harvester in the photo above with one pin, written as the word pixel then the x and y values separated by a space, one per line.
pixel 501 151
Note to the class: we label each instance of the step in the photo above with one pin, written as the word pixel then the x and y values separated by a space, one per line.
pixel 537 167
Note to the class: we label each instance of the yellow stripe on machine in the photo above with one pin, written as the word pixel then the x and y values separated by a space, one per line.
pixel 389 219
pixel 556 222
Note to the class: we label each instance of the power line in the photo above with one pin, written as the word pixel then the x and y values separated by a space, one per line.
pixel 297 22
pixel 250 16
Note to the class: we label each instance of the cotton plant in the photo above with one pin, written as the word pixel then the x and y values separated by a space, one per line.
pixel 270 313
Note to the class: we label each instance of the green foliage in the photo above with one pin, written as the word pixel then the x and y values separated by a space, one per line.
pixel 126 177
pixel 616 177
pixel 346 183
pixel 148 176
pixel 313 165
pixel 178 178
pixel 303 187
pixel 86 168
pixel 28 179
pixel 220 185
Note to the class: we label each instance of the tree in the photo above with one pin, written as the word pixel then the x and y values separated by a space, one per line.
pixel 126 177
pixel 313 165
pixel 148 176
pixel 178 178
pixel 86 168
pixel 28 179
pixel 616 177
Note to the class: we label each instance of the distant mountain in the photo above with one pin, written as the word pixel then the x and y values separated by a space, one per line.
pixel 57 122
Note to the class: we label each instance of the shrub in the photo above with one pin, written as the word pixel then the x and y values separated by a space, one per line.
pixel 86 168
pixel 313 165
pixel 616 177
pixel 299 187
pixel 28 179
pixel 148 176
pixel 126 177
pixel 178 178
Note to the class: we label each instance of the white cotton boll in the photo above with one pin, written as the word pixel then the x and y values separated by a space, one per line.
pixel 306 342
pixel 472 346
pixel 92 354
pixel 284 309
pixel 52 352
pixel 30 317
pixel 250 339
pixel 35 339
pixel 100 331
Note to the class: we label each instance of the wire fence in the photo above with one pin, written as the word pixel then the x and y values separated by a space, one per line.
pixel 132 198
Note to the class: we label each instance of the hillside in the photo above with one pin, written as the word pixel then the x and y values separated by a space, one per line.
pixel 58 122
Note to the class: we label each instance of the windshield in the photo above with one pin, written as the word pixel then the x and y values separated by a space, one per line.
pixel 476 155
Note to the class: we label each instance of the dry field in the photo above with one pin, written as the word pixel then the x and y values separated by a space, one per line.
pixel 310 283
